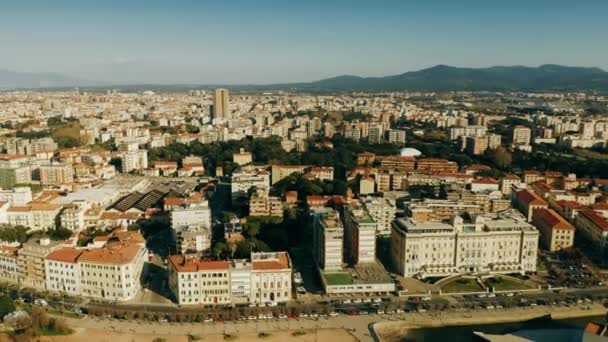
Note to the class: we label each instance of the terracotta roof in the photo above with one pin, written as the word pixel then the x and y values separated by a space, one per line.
pixel 486 180
pixel 600 206
pixel 511 177
pixel 530 198
pixel 172 201
pixel 552 219
pixel 281 263
pixel 570 204
pixel 478 167
pixel 194 264
pixel 114 253
pixel 66 254
pixel 594 217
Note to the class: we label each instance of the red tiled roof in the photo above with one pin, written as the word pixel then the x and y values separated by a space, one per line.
pixel 66 254
pixel 552 219
pixel 594 217
pixel 530 198
pixel 184 264
pixel 281 263
pixel 486 180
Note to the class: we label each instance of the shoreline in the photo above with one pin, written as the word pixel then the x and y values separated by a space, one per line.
pixel 394 330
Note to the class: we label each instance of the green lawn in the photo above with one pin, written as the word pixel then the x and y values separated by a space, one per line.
pixel 462 285
pixel 505 284
pixel 340 278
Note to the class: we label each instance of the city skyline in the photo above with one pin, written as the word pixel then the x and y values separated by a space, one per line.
pixel 282 42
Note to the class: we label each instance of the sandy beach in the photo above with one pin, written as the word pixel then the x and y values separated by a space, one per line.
pixel 98 335
pixel 395 330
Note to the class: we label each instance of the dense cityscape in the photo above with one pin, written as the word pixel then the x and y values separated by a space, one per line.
pixel 303 171
pixel 246 206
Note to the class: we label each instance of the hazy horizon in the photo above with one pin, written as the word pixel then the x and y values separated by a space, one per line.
pixel 262 42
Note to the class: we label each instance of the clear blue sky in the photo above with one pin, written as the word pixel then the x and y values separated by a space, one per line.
pixel 265 41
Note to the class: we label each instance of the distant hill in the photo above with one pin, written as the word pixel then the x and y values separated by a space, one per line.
pixel 447 78
pixel 438 78
pixel 12 79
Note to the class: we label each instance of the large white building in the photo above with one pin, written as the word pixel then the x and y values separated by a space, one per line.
pixel 503 243
pixel 112 272
pixel 383 211
pixel 328 238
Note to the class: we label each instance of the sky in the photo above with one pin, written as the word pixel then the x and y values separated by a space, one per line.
pixel 266 41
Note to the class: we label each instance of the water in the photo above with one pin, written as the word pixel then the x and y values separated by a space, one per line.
pixel 552 329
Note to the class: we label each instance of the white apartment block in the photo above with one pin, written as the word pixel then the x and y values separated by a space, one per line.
pixel 359 235
pixel 191 214
pixel 503 243
pixel 383 211
pixel 134 160
pixel 192 239
pixel 328 235
pixel 17 196
pixel 62 271
pixel 243 180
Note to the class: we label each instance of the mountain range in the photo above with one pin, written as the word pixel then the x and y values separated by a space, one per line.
pixel 438 78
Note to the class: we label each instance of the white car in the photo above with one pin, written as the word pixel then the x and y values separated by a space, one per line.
pixel 334 314
pixel 208 320
pixel 357 300
pixel 399 311
pixel 346 301
pixel 303 315
pixel 426 298
pixel 380 312
pixel 252 318
pixel 491 295
pixel 367 300
pixel 377 300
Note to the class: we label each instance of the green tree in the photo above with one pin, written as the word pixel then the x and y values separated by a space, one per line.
pixel 6 305
pixel 501 158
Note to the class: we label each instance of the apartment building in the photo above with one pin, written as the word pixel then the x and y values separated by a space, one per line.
pixel 270 277
pixel 242 157
pixel 17 196
pixel 555 232
pixel 244 179
pixel 31 261
pixel 527 201
pixel 383 211
pixel 328 237
pixel 112 272
pixel 9 264
pixel 133 161
pixel 56 174
pixel 194 281
pixel 489 244
pixel 594 228
pixel 62 271
pixel 266 278
pixel 260 204
pixel 359 235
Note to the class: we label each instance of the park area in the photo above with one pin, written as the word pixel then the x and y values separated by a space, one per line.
pixel 461 285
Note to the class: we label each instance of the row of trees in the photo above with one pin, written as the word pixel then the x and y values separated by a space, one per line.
pixel 21 234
